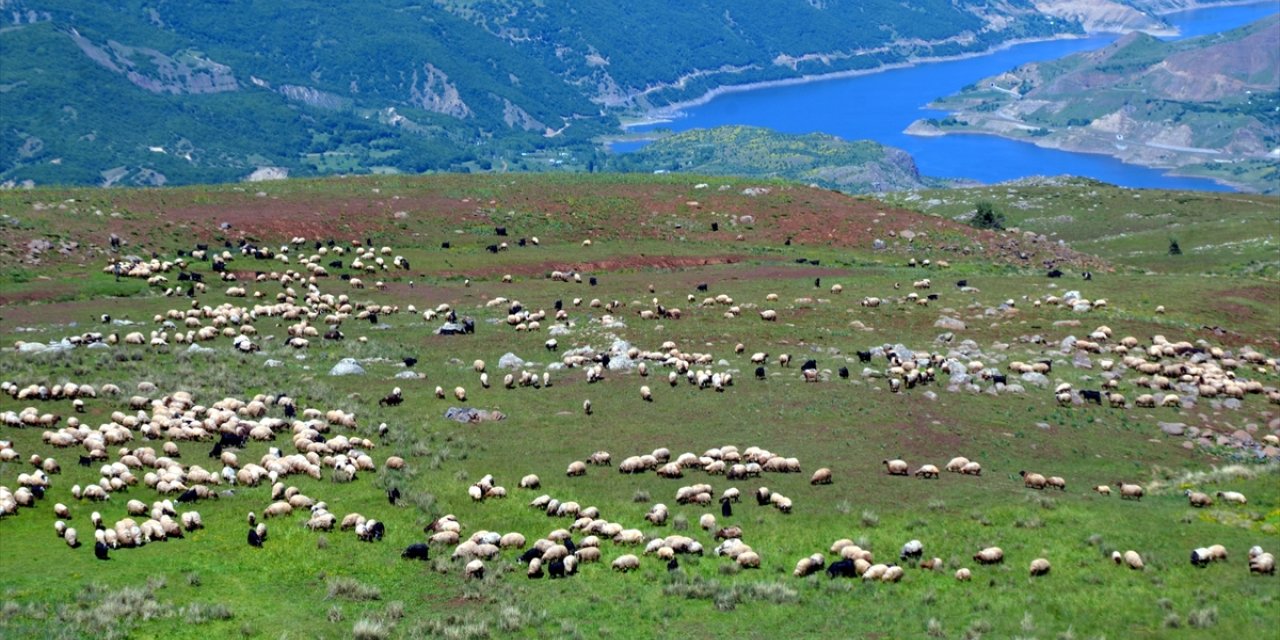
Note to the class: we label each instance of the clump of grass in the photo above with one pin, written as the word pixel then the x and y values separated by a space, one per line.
pixel 870 519
pixel 937 505
pixel 976 629
pixel 1028 623
pixel 1165 603
pixel 680 522
pixel 640 496
pixel 1028 523
pixel 367 629
pixel 934 628
pixel 395 610
pixel 199 613
pixel 322 542
pixel 1172 621
pixel 351 589
pixel 730 569
pixel 1044 502
pixel 1203 618
pixel 844 507
pixel 980 518
pixel 193 579
pixel 335 614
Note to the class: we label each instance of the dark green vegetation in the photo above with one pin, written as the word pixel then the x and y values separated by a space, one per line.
pixel 1207 106
pixel 145 93
pixel 656 231
pixel 860 166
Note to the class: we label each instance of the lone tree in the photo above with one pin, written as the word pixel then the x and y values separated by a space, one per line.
pixel 986 217
pixel 1174 249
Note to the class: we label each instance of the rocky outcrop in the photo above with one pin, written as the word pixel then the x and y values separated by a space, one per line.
pixel 431 90
pixel 313 97
pixel 185 72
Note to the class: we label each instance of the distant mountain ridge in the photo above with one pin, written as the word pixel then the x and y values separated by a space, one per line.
pixel 158 92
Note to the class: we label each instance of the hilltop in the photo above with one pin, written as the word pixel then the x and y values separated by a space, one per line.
pixel 1205 106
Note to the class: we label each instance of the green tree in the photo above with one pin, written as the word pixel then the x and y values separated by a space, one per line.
pixel 986 217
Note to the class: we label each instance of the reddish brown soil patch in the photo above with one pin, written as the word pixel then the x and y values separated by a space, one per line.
pixel 600 266
pixel 43 294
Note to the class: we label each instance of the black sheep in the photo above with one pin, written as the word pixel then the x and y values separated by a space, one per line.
pixel 962 283
pixel 189 495
pixel 726 509
pixel 1090 395
pixel 593 281
pixel 760 373
pixel 254 539
pixel 844 372
pixel 290 411
pixel 100 550
pixel 842 569
pixel 377 531
pixel 86 461
pixel 817 283
pixel 555 570
pixel 702 287
pixel 500 231
pixel 393 495
pixel 673 565
pixel 409 362
pixel 809 364
pixel 864 356
pixel 529 555
pixel 1055 273
pixel 1000 379
pixel 715 226
pixel 416 551
pixel 568 544
pixel 215 452
pixel 445 245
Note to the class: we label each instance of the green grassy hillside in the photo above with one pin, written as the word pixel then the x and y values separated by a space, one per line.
pixel 775 245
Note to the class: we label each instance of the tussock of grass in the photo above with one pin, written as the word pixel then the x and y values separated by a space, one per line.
pixel 640 496
pixel 352 589
pixel 366 629
pixel 728 597
pixel 198 613
pixel 1169 481
pixel 870 519
pixel 1203 618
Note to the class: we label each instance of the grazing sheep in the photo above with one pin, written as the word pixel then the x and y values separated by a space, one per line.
pixel 646 394
pixel 912 550
pixel 707 521
pixel 474 569
pixel 61 511
pixel 927 471
pixel 875 572
pixel 990 555
pixel 1103 489
pixel 625 563
pixel 1039 567
pixel 821 476
pixel 1233 496
pixel 576 468
pixel 957 463
pixel 748 560
pixel 963 574
pixel 1131 558
pixel 893 573
pixel 1263 563
pixel 896 467
pixel 1056 482
pixel 1033 480
pixel 971 469
pixel 1130 491
pixel 530 482
pixel 810 565
pixel 70 537
pixel 1198 499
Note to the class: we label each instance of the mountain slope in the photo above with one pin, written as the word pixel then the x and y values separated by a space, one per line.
pixel 1207 105
pixel 158 92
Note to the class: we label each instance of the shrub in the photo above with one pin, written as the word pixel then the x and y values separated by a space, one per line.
pixel 986 217
pixel 870 519
pixel 1203 618
pixel 640 496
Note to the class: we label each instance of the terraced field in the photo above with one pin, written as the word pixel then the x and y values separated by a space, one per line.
pixel 653 241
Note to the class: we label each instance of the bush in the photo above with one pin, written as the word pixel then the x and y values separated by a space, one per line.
pixel 986 217
pixel 366 629
pixel 352 589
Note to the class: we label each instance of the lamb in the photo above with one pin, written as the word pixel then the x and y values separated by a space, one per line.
pixel 1039 567
pixel 896 467
pixel 1130 491
pixel 927 471
pixel 530 481
pixel 70 537
pixel 1033 480
pixel 1103 489
pixel 1233 496
pixel 990 555
pixel 748 560
pixel 963 574
pixel 646 394
pixel 893 573
pixel 61 511
pixel 971 469
pixel 625 563
pixel 1198 499
pixel 821 476
pixel 769 315
pixel 1131 558
pixel 1056 482
pixel 576 468
pixel 474 569
pixel 957 464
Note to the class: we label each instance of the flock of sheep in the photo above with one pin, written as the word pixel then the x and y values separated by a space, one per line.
pixel 324 446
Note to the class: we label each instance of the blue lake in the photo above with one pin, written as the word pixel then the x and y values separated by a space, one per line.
pixel 880 106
